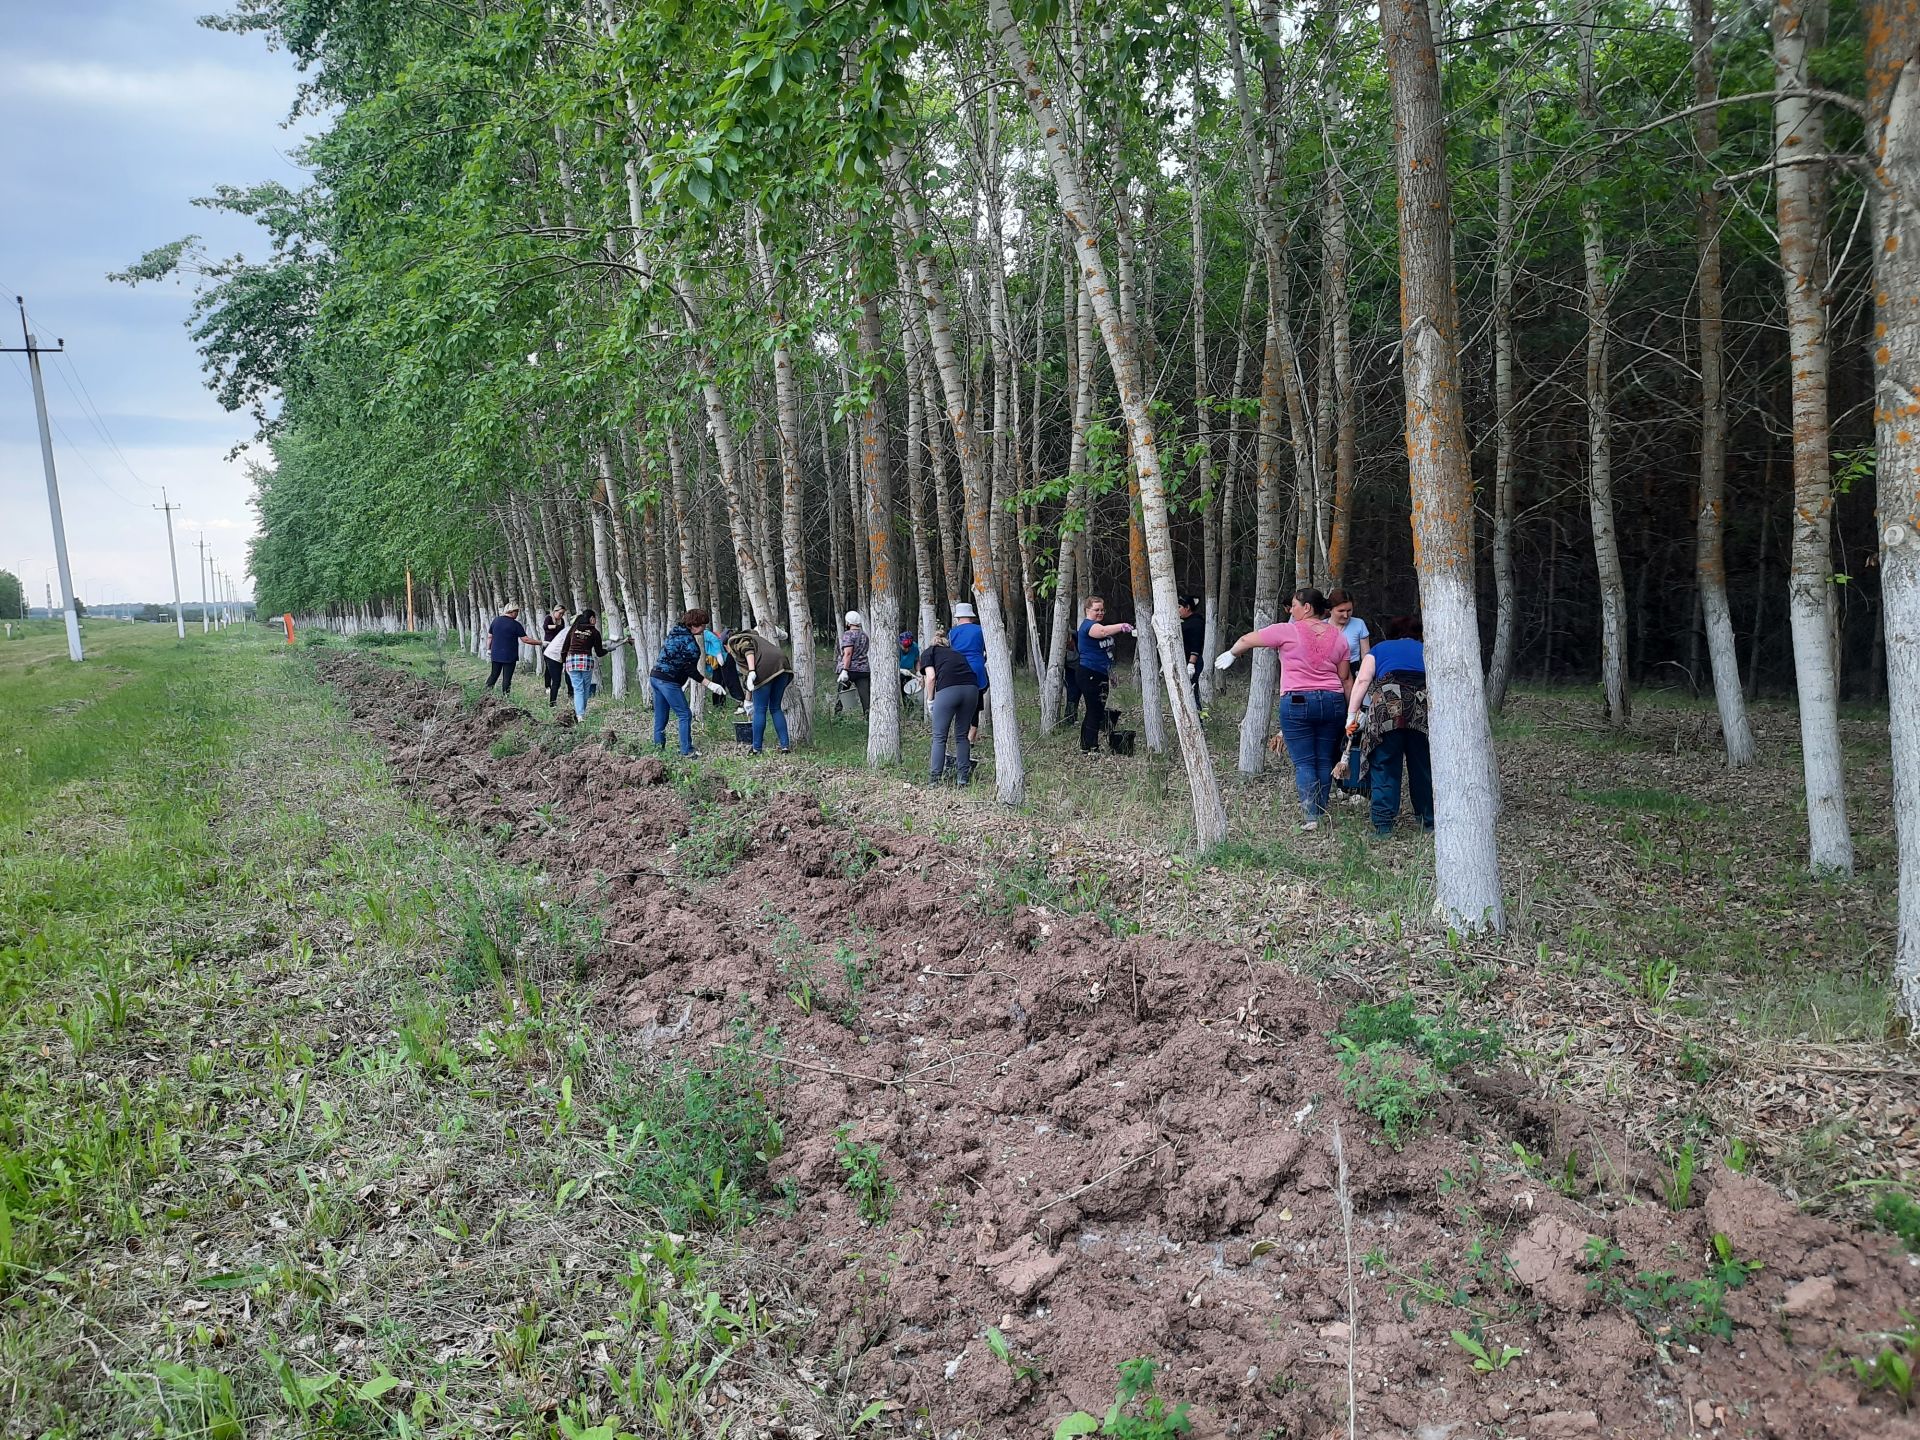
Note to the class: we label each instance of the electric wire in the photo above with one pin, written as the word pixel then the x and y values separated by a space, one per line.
pixel 92 412
pixel 74 449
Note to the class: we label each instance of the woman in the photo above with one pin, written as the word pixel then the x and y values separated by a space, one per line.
pixel 1314 676
pixel 1392 684
pixel 553 672
pixel 719 666
pixel 1359 634
pixel 768 675
pixel 579 653
pixel 679 662
pixel 955 695
pixel 856 666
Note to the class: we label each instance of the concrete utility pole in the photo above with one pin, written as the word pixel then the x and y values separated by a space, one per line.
pixel 205 565
pixel 33 352
pixel 173 559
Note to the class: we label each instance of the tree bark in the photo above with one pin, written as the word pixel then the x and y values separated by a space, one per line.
pixel 1606 542
pixel 883 619
pixel 1893 146
pixel 1009 767
pixel 1466 783
pixel 1209 814
pixel 1799 27
pixel 1501 673
pixel 1710 564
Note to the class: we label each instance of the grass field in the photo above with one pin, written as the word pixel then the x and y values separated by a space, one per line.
pixel 302 1124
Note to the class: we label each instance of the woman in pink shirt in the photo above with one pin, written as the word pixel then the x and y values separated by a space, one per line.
pixel 1314 675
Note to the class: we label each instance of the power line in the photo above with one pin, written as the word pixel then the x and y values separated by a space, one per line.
pixel 78 453
pixel 92 412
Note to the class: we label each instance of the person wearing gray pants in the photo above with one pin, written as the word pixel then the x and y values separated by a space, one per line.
pixel 949 680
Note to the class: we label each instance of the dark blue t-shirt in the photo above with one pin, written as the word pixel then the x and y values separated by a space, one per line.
pixel 1095 655
pixel 506 634
pixel 1392 655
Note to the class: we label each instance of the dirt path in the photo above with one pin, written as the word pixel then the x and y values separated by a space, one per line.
pixel 1109 1148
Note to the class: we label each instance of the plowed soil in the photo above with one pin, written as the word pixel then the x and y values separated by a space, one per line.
pixel 1111 1147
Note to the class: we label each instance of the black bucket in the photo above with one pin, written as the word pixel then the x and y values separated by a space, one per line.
pixel 1120 741
pixel 743 731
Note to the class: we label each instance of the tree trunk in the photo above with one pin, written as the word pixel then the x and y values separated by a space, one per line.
pixel 609 598
pixel 1265 670
pixel 1893 145
pixel 786 404
pixel 1501 674
pixel 1209 814
pixel 1710 563
pixel 1071 580
pixel 1009 767
pixel 1799 27
pixel 1221 621
pixel 925 582
pixel 1606 542
pixel 883 615
pixel 1202 417
pixel 1466 786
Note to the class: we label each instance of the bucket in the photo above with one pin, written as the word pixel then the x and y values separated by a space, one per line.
pixel 743 731
pixel 1120 741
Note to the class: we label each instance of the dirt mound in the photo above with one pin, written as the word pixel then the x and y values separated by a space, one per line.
pixel 1110 1147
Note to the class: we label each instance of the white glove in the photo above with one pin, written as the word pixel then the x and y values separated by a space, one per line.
pixel 1225 662
pixel 1128 630
pixel 1192 670
pixel 752 680
pixel 843 677
pixel 716 687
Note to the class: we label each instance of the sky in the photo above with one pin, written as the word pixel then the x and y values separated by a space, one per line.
pixel 116 114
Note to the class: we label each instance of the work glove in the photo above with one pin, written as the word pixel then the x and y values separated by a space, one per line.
pixel 1126 629
pixel 1192 670
pixel 1353 725
pixel 752 680
pixel 843 677
pixel 1225 662
pixel 716 688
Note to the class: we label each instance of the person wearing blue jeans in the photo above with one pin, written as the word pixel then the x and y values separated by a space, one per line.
pixel 764 664
pixel 1393 685
pixel 580 647
pixel 680 656
pixel 1312 723
pixel 1314 676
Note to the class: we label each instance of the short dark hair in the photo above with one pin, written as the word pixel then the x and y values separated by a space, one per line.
pixel 1340 597
pixel 695 618
pixel 1308 596
pixel 588 614
pixel 1192 602
pixel 1405 627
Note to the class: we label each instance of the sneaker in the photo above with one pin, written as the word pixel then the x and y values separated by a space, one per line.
pixel 689 754
pixel 1309 826
pixel 784 750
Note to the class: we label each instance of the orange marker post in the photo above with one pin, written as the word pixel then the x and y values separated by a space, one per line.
pixel 288 621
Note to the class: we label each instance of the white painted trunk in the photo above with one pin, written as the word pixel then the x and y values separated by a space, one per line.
pixel 1258 719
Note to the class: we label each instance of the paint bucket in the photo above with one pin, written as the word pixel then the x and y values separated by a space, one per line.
pixel 1120 741
pixel 743 731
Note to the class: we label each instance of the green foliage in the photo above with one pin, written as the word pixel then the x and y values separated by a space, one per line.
pixel 871 1189
pixel 1137 1413
pixel 1486 1360
pixel 693 1144
pixel 1896 1213
pixel 1445 1041
pixel 1664 1305
pixel 1382 1080
pixel 1890 1368
pixel 1678 1185
pixel 13 597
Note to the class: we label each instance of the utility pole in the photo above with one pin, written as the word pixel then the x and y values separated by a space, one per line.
pixel 173 559
pixel 33 352
pixel 205 565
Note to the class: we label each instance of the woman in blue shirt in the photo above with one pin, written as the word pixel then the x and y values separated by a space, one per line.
pixel 1393 685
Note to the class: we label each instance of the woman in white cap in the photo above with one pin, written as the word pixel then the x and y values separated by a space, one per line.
pixel 854 666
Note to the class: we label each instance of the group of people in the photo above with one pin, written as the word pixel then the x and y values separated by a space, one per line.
pixel 1350 709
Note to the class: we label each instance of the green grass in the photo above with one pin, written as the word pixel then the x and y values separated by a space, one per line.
pixel 289 1074
pixel 1641 800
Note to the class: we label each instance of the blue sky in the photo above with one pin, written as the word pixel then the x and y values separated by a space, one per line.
pixel 117 113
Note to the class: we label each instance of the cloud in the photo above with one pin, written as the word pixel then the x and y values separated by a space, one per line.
pixel 198 94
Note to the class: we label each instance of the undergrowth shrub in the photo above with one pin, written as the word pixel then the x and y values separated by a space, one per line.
pixel 1394 1060
pixel 695 1143
pixel 1896 1213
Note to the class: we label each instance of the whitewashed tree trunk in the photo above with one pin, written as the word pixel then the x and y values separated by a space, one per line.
pixel 925 582
pixel 1209 814
pixel 1066 596
pixel 1710 563
pixel 876 471
pixel 1265 669
pixel 1798 131
pixel 609 598
pixel 1465 783
pixel 1893 146
pixel 1202 418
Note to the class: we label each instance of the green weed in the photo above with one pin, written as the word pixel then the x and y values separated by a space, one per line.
pixel 1382 1080
pixel 1897 1214
pixel 1890 1368
pixel 872 1190
pixel 1487 1360
pixel 1137 1413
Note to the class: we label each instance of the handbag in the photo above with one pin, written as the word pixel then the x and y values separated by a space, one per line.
pixel 556 648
